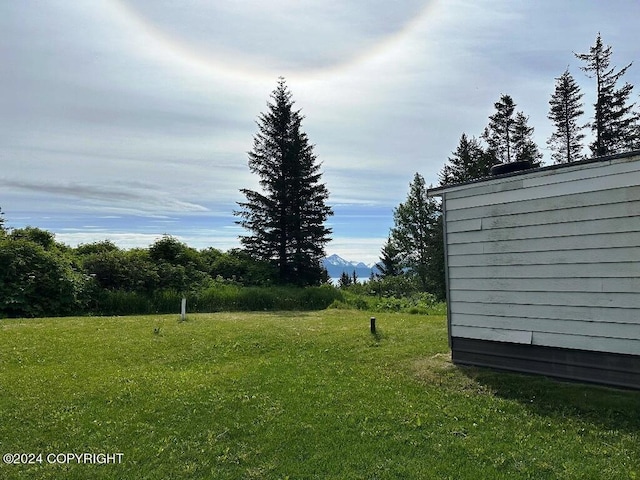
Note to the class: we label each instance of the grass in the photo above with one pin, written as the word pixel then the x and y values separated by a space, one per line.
pixel 293 395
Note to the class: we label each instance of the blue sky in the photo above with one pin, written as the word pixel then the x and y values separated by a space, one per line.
pixel 129 119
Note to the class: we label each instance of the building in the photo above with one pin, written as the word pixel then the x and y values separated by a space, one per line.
pixel 543 270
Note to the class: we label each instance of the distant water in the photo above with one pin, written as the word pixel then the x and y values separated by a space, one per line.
pixel 336 281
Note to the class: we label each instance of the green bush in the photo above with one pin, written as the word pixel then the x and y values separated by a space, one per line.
pixel 41 277
pixel 319 298
pixel 340 305
pixel 35 281
pixel 398 286
pixel 358 297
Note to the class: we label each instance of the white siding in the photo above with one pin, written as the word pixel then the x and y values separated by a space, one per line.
pixel 548 258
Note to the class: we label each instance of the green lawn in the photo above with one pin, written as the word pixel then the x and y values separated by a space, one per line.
pixel 292 395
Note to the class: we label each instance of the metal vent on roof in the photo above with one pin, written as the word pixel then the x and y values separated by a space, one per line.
pixel 502 168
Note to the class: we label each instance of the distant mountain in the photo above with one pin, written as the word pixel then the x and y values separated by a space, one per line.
pixel 335 265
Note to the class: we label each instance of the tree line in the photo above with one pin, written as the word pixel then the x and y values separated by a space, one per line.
pixel 42 277
pixel 415 243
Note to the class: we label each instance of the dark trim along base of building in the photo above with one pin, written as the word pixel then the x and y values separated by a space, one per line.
pixel 614 369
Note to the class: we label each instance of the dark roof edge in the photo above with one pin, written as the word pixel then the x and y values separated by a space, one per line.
pixel 434 192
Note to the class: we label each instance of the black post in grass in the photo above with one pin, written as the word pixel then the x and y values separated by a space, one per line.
pixel 373 325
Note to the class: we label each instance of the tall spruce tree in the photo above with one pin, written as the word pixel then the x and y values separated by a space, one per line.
pixel 499 133
pixel 565 110
pixel 287 218
pixel 468 162
pixel 508 137
pixel 614 118
pixel 389 265
pixel 418 237
pixel 524 148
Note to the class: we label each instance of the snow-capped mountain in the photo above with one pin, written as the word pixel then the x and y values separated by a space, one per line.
pixel 335 265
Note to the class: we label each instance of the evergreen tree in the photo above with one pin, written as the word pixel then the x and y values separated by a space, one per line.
pixel 389 265
pixel 508 137
pixel 635 132
pixel 614 119
pixel 287 218
pixel 499 133
pixel 626 120
pixel 3 229
pixel 436 268
pixel 417 236
pixel 565 109
pixel 344 280
pixel 524 148
pixel 469 162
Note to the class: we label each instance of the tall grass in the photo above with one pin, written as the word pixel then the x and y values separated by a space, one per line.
pixel 219 297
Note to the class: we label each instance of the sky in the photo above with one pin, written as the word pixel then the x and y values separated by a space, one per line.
pixel 130 119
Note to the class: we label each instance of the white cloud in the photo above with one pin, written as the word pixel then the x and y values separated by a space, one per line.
pixel 122 107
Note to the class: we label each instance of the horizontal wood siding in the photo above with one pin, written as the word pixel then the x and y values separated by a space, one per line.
pixel 548 258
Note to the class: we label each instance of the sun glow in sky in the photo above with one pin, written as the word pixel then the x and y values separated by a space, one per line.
pixel 128 119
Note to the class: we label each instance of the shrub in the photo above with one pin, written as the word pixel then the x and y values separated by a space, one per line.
pixel 36 282
pixel 319 298
pixel 340 305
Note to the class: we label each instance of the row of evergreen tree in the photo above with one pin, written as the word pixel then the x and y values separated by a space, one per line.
pixel 415 244
pixel 507 137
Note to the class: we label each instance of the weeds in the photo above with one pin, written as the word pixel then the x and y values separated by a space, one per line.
pixel 218 297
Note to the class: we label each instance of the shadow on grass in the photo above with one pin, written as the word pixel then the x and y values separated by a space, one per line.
pixel 376 336
pixel 609 407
